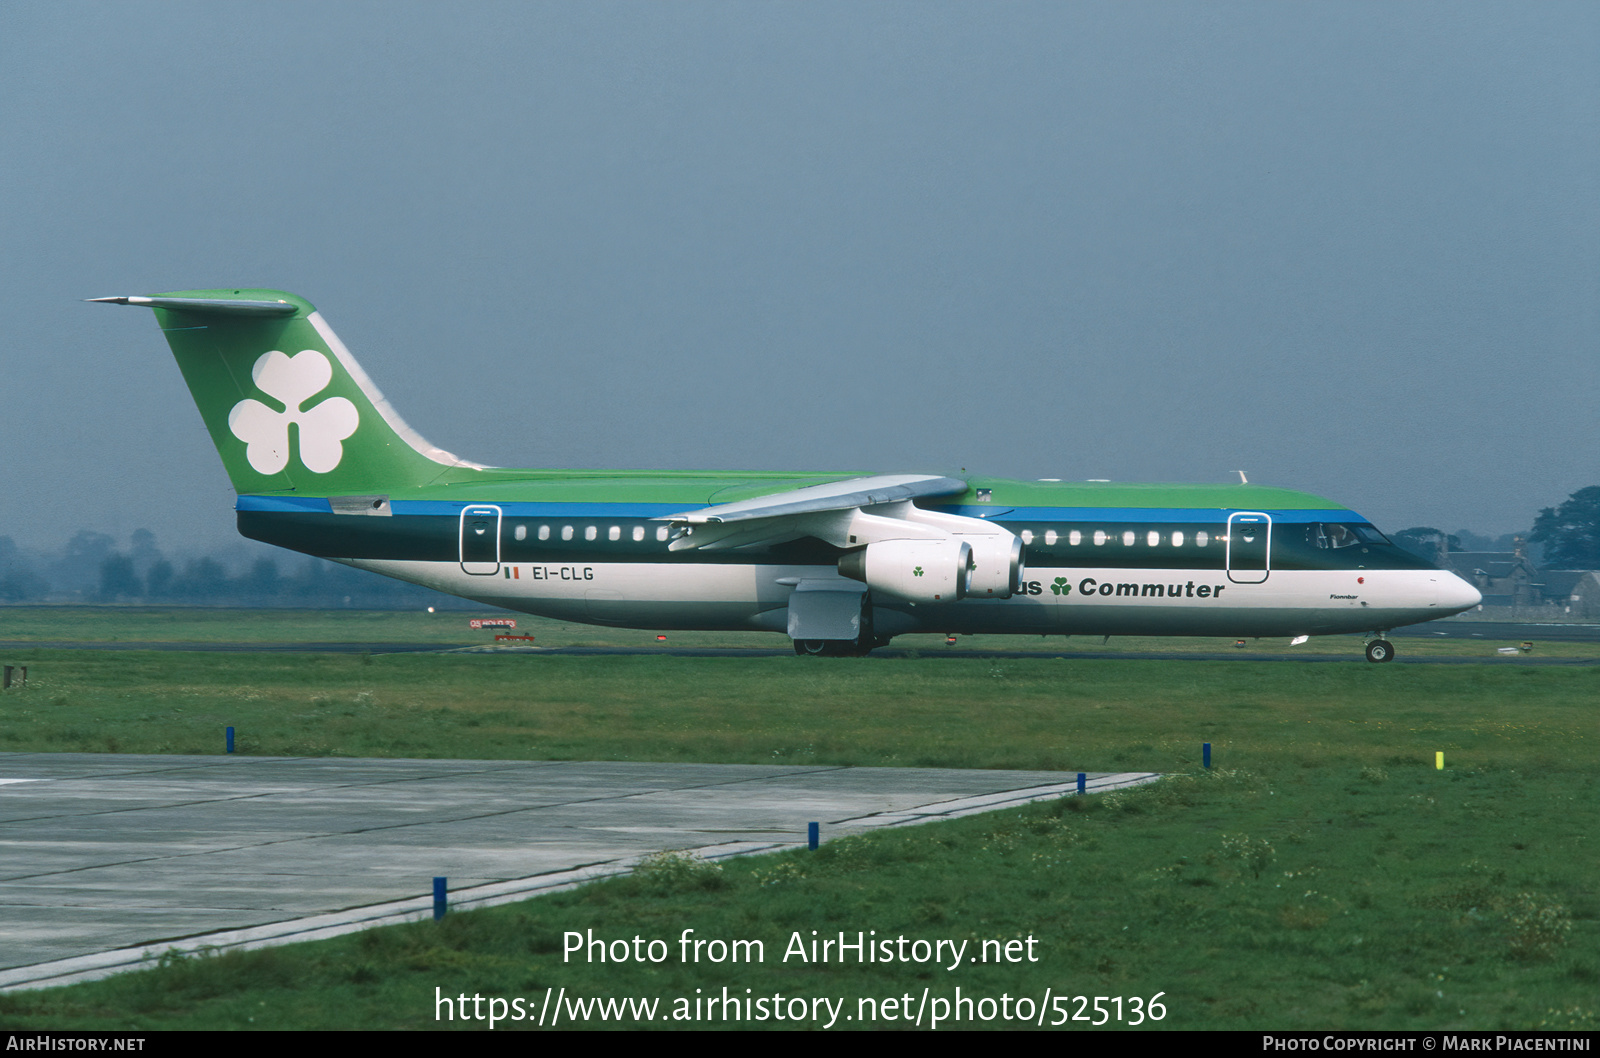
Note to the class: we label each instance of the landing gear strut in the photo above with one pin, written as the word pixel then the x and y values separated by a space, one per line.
pixel 1380 650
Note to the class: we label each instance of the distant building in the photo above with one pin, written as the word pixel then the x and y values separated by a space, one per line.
pixel 1505 578
pixel 1576 591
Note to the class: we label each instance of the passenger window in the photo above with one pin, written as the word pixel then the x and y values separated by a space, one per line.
pixel 1153 539
pixel 1177 539
pixel 544 532
pixel 1075 538
pixel 1049 537
pixel 566 532
pixel 1128 537
pixel 1027 536
pixel 661 532
pixel 615 533
pixel 638 533
pixel 1201 539
pixel 521 533
pixel 1099 537
pixel 590 533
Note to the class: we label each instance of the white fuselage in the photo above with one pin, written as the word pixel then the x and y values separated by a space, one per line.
pixel 1066 601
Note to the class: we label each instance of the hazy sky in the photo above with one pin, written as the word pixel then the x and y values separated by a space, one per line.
pixel 1351 248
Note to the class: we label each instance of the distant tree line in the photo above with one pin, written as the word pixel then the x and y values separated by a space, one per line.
pixel 92 567
pixel 1564 537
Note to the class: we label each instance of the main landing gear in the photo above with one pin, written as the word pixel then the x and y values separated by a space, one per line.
pixel 836 648
pixel 1379 650
pixel 859 647
pixel 824 648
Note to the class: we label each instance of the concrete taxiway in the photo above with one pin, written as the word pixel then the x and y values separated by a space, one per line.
pixel 107 860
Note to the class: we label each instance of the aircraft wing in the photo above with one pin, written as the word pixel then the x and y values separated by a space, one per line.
pixel 832 496
pixel 848 513
pixel 858 514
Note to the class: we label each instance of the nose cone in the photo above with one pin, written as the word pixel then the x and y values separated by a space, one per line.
pixel 1456 594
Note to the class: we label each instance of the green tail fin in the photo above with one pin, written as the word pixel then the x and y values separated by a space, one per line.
pixel 287 406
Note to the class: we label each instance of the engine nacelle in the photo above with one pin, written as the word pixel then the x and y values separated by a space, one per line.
pixel 918 570
pixel 997 566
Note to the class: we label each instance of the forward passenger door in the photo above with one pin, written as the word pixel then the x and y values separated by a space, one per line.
pixel 1249 549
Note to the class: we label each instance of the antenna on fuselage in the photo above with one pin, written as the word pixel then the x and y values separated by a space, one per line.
pixel 1242 479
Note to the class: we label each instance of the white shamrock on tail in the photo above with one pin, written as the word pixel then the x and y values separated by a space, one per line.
pixel 293 380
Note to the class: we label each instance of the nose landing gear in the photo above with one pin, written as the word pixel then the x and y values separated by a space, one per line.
pixel 1380 650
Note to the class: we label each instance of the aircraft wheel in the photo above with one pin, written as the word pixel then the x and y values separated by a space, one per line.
pixel 830 648
pixel 1380 650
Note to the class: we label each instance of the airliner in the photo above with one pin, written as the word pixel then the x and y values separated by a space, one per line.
pixel 840 563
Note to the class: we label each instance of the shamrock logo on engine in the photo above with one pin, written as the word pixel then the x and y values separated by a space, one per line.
pixel 320 429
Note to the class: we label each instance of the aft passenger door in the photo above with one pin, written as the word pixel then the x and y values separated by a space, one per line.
pixel 480 540
pixel 1249 547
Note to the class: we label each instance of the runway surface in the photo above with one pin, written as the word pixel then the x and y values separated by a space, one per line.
pixel 1355 654
pixel 107 860
pixel 1562 632
pixel 1081 647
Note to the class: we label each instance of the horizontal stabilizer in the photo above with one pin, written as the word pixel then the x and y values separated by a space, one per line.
pixel 207 306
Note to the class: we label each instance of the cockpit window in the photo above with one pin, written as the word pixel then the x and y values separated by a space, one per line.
pixel 1330 535
pixel 1333 535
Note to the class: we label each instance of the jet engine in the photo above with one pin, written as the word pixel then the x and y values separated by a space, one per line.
pixel 997 566
pixel 917 570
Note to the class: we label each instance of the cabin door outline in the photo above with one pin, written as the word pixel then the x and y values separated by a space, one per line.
pixel 480 540
pixel 1249 551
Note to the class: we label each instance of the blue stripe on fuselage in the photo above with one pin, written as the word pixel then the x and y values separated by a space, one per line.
pixel 284 504
pixel 452 508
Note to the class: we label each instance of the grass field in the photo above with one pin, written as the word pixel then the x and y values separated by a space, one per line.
pixel 1323 874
